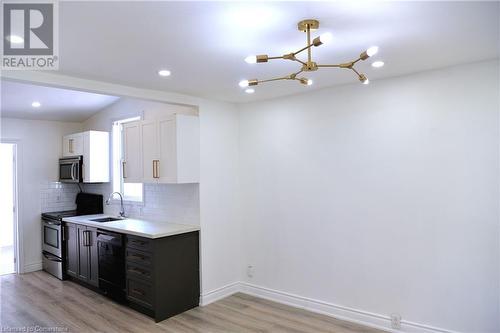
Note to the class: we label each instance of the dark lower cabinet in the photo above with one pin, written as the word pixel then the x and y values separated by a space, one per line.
pixel 163 277
pixel 71 249
pixel 81 253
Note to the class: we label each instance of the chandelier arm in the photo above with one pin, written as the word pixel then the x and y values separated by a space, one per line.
pixel 309 43
pixel 355 61
pixel 335 65
pixel 297 73
pixel 295 59
pixel 275 79
pixel 277 57
pixel 355 71
pixel 303 49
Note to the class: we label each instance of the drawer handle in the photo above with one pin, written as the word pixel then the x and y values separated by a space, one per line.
pixel 137 256
pixel 138 291
pixel 135 270
pixel 139 242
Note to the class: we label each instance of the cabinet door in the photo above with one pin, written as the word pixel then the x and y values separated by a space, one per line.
pixel 93 256
pixel 77 145
pixel 149 139
pixel 71 241
pixel 83 254
pixel 73 144
pixel 132 161
pixel 167 169
pixel 66 146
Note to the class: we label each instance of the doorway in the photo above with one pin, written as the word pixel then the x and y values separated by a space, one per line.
pixel 8 208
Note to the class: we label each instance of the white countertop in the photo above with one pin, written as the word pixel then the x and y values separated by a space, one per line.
pixel 132 226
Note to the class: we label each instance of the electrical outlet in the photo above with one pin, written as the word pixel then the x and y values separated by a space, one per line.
pixel 396 320
pixel 250 271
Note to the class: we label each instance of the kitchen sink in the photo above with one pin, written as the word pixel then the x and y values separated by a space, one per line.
pixel 107 219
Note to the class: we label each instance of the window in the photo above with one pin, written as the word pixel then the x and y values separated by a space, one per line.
pixel 130 191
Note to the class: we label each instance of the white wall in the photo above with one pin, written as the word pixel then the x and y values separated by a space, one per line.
pixel 39 148
pixel 219 198
pixel 382 198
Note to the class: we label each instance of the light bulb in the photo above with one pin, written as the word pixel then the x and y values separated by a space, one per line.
pixel 243 83
pixel 372 51
pixel 326 38
pixel 249 91
pixel 251 59
pixel 366 81
pixel 378 64
pixel 36 104
pixel 309 82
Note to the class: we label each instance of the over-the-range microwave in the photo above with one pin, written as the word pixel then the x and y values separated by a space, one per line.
pixel 71 169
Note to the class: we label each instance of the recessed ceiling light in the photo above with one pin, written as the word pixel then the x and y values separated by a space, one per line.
pixel 15 39
pixel 36 104
pixel 249 91
pixel 164 72
pixel 378 64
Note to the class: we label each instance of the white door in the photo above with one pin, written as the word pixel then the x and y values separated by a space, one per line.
pixel 132 161
pixel 8 209
pixel 149 136
pixel 167 151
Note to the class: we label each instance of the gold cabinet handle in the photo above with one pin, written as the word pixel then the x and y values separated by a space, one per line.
pixel 138 271
pixel 137 256
pixel 138 291
pixel 123 169
pixel 156 168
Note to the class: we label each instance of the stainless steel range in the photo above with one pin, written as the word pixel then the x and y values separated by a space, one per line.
pixel 52 242
pixel 53 247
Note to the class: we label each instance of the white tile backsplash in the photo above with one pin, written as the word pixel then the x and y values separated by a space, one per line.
pixel 178 203
pixel 56 196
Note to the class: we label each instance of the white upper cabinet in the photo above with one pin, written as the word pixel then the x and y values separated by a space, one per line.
pixel 168 149
pixel 94 147
pixel 132 161
pixel 149 143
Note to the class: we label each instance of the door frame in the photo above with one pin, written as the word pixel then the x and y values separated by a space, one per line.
pixel 18 229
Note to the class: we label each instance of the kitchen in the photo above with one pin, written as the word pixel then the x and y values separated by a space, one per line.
pixel 91 214
pixel 166 178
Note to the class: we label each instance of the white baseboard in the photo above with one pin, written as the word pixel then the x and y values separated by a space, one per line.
pixel 361 317
pixel 33 267
pixel 220 293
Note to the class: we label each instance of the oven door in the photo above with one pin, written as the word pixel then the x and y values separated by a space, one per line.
pixel 52 237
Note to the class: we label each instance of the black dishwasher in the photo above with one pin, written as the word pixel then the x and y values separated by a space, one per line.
pixel 110 247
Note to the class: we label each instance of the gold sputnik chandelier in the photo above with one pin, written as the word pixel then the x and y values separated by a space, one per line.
pixel 309 65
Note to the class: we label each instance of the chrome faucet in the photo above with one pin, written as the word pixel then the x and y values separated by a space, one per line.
pixel 122 211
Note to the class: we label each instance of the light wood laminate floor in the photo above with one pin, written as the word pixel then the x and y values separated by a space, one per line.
pixel 38 299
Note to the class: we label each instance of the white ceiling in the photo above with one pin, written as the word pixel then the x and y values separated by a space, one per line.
pixel 56 104
pixel 204 43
